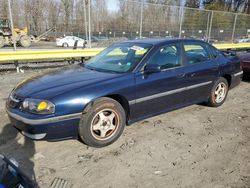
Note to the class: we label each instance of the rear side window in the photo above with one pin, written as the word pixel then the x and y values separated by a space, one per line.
pixel 196 53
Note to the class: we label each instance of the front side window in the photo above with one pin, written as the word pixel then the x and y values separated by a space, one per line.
pixel 196 53
pixel 119 58
pixel 167 56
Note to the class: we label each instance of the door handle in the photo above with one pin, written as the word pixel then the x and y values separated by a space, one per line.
pixel 181 75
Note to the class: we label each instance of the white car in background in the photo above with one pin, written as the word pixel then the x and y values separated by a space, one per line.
pixel 69 41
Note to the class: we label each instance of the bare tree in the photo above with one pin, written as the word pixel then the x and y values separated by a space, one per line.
pixel 3 8
pixel 67 8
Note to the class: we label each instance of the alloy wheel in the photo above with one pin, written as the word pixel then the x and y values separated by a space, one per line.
pixel 220 92
pixel 104 124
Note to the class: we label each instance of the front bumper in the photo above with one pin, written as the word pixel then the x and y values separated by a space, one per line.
pixel 53 128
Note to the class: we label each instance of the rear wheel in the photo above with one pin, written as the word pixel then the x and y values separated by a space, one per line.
pixel 218 93
pixel 103 123
pixel 1 41
pixel 25 41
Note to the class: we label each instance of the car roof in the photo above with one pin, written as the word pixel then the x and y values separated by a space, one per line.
pixel 160 40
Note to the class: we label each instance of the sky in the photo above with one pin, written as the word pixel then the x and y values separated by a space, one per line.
pixel 112 5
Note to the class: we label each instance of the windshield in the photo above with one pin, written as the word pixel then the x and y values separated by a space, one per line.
pixel 119 58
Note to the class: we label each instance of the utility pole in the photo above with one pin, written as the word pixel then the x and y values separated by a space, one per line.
pixel 235 21
pixel 181 20
pixel 208 19
pixel 85 19
pixel 141 18
pixel 210 26
pixel 89 5
pixel 12 25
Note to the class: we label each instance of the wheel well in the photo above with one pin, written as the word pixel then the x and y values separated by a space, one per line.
pixel 123 101
pixel 228 78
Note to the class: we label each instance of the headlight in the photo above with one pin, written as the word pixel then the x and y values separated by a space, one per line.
pixel 38 106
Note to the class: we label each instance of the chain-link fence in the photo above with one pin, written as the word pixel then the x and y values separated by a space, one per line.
pixel 109 21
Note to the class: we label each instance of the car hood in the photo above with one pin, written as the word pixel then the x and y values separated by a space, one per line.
pixel 54 83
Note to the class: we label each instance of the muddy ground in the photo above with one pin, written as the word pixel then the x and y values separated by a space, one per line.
pixel 197 146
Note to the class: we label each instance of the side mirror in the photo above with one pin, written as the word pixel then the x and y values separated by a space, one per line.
pixel 152 68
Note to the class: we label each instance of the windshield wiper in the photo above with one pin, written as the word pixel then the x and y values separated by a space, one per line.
pixel 102 70
pixel 90 68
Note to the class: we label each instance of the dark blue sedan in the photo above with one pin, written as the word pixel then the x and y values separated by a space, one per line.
pixel 126 82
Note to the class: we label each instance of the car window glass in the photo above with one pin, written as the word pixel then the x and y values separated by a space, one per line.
pixel 167 57
pixel 214 52
pixel 119 57
pixel 196 53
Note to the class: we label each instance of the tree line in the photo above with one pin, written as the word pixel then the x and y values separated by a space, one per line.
pixel 158 15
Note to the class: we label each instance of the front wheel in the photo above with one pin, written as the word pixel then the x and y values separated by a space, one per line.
pixel 25 41
pixel 218 93
pixel 103 123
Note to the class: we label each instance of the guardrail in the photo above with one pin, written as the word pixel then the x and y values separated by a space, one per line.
pixel 7 56
pixel 232 46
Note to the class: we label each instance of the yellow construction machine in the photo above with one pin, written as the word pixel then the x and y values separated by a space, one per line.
pixel 20 36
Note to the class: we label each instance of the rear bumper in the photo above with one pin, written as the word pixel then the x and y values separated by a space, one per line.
pixel 57 128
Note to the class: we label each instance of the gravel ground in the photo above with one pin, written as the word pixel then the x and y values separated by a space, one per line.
pixel 197 146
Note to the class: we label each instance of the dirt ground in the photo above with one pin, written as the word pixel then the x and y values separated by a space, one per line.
pixel 197 146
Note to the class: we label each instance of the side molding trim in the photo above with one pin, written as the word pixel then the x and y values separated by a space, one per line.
pixel 168 93
pixel 238 74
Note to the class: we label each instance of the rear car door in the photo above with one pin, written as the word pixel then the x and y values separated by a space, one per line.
pixel 202 69
pixel 161 91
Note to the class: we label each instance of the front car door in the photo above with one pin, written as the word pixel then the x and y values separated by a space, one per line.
pixel 161 91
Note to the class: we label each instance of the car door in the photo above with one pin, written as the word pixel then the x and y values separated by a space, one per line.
pixel 161 91
pixel 201 70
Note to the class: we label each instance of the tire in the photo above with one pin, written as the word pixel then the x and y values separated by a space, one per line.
pixel 65 45
pixel 1 41
pixel 25 41
pixel 219 92
pixel 102 123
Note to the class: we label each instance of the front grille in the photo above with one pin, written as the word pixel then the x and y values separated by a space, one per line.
pixel 14 100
